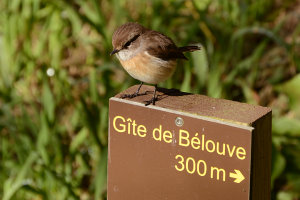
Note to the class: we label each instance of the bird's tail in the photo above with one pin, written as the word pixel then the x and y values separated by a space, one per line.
pixel 189 48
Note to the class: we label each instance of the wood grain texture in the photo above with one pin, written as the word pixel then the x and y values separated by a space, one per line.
pixel 261 158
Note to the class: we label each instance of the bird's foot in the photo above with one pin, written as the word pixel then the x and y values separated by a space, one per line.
pixel 130 96
pixel 152 100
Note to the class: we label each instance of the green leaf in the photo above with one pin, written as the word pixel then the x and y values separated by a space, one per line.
pixel 11 185
pixel 186 80
pixel 43 139
pixel 101 174
pixel 278 164
pixel 286 125
pixel 79 139
pixel 258 30
pixel 200 64
pixel 48 102
pixel 291 88
pixel 201 5
pixel 285 195
pixel 214 85
pixel 93 86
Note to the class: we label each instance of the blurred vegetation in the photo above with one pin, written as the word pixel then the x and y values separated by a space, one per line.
pixel 56 77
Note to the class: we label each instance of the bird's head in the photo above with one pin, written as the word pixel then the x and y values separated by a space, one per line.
pixel 125 36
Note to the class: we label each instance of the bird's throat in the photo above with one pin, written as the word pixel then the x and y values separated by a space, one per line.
pixel 125 54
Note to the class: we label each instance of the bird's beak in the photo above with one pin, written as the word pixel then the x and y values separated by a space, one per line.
pixel 114 51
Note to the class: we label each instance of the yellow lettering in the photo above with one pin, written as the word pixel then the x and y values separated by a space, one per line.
pixel 186 138
pixel 203 141
pixel 141 130
pixel 123 127
pixel 230 152
pixel 157 130
pixel 129 120
pixel 218 170
pixel 180 162
pixel 204 167
pixel 212 144
pixel 133 127
pixel 218 149
pixel 195 142
pixel 241 153
pixel 193 165
pixel 167 136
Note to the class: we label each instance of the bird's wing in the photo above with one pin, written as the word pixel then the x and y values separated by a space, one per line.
pixel 161 46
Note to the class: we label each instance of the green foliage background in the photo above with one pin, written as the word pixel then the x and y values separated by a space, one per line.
pixel 53 129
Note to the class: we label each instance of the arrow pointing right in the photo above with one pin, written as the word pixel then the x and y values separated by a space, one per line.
pixel 239 177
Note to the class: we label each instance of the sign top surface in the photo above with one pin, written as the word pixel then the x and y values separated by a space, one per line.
pixel 200 105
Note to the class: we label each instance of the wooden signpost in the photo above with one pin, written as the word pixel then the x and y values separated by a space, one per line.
pixel 188 147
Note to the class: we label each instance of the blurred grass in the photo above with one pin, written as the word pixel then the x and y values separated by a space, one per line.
pixel 53 127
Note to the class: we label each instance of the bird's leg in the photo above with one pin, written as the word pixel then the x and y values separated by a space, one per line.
pixel 134 94
pixel 153 98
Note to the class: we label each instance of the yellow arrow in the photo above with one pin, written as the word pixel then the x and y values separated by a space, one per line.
pixel 239 177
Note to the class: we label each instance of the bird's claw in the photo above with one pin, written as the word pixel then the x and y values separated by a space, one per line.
pixel 152 100
pixel 130 96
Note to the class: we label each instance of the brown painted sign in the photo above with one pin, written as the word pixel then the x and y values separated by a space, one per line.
pixel 160 153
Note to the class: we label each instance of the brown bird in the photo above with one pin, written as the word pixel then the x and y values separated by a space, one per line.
pixel 148 56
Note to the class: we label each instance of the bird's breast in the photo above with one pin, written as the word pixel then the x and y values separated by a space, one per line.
pixel 147 68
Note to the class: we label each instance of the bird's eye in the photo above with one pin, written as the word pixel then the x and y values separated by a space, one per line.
pixel 128 43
